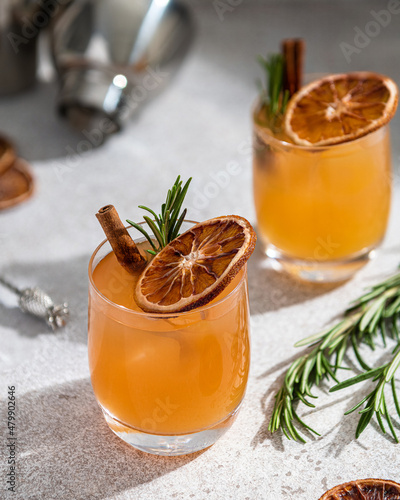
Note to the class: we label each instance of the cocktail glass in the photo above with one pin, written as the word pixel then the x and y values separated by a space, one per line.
pixel 168 384
pixel 321 211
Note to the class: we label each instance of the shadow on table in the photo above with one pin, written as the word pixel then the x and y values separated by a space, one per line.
pixel 271 290
pixel 66 450
pixel 64 281
pixel 31 121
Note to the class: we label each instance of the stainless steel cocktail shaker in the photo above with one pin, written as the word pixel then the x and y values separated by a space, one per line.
pixel 112 56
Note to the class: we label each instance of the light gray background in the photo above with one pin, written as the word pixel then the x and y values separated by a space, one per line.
pixel 197 127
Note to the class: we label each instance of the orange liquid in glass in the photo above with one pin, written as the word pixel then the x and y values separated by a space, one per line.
pixel 166 375
pixel 325 203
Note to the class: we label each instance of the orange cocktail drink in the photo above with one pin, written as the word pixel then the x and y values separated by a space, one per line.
pixel 322 204
pixel 167 383
pixel 322 175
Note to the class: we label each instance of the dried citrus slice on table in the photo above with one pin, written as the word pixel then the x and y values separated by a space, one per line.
pixel 340 108
pixel 196 266
pixel 364 489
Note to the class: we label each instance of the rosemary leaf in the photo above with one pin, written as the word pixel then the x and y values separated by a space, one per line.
pixel 139 228
pixel 356 351
pixel 178 225
pixel 393 308
pixel 395 327
pixel 357 405
pixel 389 421
pixel 154 229
pixel 152 213
pixel 355 380
pixel 371 312
pixel 304 424
pixel 393 367
pixel 363 422
pixel 395 398
pixel 380 422
pixel 382 331
pixel 340 354
pixel 304 400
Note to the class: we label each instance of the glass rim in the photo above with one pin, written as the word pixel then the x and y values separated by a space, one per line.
pixel 164 316
pixel 256 105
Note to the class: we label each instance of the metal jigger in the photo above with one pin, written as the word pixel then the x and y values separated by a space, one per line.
pixel 113 56
pixel 36 302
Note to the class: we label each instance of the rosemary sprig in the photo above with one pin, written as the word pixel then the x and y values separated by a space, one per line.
pixel 166 225
pixel 376 312
pixel 273 96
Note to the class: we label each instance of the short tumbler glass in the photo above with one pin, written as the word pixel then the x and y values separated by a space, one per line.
pixel 168 384
pixel 321 211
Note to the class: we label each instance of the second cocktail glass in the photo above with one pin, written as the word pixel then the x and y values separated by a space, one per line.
pixel 321 211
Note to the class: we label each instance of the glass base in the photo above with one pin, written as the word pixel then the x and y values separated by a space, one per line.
pixel 318 271
pixel 172 444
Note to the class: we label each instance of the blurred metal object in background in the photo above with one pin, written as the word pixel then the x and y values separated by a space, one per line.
pixel 18 38
pixel 112 56
pixel 21 21
pixel 38 303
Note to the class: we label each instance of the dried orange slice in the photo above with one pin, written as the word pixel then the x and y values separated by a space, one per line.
pixel 340 108
pixel 196 266
pixel 364 489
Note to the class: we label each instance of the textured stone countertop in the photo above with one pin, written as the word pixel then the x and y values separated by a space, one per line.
pixel 198 126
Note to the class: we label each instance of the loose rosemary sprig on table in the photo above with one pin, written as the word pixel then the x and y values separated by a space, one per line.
pixel 273 96
pixel 375 313
pixel 166 225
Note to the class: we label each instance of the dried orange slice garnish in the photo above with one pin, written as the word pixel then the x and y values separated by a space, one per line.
pixel 364 489
pixel 340 108
pixel 196 266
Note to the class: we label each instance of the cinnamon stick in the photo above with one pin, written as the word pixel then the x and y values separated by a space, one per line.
pixel 293 53
pixel 124 247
